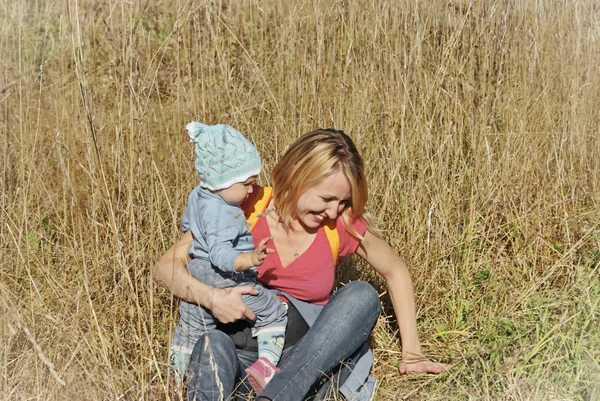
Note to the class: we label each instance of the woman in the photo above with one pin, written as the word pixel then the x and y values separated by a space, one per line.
pixel 318 183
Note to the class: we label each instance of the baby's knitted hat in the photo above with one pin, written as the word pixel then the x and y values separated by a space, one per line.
pixel 223 155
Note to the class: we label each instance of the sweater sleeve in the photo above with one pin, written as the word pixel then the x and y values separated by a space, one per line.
pixel 223 230
pixel 185 221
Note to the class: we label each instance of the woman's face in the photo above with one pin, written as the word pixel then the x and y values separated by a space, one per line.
pixel 325 200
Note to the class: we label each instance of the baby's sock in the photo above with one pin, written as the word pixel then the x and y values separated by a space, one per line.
pixel 270 345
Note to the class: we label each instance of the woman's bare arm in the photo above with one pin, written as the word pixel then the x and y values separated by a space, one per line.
pixel 225 304
pixel 386 262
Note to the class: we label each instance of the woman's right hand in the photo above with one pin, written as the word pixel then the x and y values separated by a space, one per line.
pixel 227 305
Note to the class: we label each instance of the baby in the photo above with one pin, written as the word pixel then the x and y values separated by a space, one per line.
pixel 223 253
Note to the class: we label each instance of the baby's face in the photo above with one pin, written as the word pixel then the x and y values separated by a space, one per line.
pixel 238 193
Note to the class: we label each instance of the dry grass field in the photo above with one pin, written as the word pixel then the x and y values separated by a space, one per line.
pixel 479 122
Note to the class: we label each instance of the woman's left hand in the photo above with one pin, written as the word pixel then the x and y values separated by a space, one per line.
pixel 421 366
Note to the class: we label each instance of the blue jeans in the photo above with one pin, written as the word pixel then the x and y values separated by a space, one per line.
pixel 195 320
pixel 341 329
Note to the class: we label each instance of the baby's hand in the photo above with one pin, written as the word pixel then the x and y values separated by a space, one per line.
pixel 261 251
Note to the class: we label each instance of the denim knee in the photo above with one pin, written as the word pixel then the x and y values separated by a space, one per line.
pixel 362 294
pixel 213 367
pixel 221 346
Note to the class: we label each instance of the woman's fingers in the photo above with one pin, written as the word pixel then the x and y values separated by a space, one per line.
pixel 227 304
pixel 246 290
pixel 421 366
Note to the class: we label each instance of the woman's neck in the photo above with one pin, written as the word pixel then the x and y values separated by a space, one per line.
pixel 296 226
pixel 291 242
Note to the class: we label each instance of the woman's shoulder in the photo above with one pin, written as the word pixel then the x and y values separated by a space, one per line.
pixel 349 240
pixel 359 223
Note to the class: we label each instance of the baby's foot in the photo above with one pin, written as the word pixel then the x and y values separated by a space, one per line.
pixel 260 373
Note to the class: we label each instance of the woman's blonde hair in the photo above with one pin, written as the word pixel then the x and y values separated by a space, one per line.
pixel 310 159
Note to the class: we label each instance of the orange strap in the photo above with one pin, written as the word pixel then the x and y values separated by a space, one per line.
pixel 334 239
pixel 261 202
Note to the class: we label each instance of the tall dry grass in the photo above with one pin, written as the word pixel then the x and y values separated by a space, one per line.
pixel 478 121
